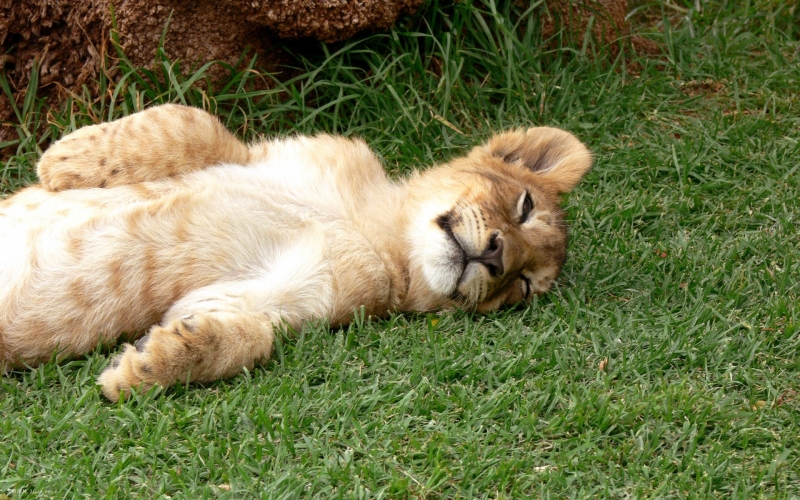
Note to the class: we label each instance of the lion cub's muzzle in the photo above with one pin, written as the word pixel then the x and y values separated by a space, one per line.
pixel 492 257
pixel 480 255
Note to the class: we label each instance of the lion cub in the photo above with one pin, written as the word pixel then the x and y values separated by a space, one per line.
pixel 164 222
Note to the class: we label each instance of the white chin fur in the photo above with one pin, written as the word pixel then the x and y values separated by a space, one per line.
pixel 439 258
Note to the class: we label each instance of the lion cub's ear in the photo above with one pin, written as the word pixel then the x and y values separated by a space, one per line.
pixel 555 155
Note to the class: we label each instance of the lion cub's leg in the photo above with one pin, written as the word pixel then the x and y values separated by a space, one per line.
pixel 214 331
pixel 198 348
pixel 159 142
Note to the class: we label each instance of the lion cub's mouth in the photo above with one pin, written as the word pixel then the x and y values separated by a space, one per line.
pixel 458 259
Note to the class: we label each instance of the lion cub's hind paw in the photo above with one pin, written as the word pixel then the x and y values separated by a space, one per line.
pixel 77 161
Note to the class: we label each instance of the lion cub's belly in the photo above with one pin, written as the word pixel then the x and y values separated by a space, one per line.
pixel 75 264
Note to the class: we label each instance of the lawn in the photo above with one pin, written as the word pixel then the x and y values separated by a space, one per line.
pixel 663 364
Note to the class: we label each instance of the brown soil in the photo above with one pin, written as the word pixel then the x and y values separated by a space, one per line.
pixel 70 38
pixel 607 18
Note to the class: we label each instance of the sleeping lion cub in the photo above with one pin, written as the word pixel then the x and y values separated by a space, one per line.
pixel 164 220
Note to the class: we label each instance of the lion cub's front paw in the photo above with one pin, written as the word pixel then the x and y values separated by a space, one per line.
pixel 122 374
pixel 160 357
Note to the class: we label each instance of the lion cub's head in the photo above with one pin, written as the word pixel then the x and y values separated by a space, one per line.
pixel 487 230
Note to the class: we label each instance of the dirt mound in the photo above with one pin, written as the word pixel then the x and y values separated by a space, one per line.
pixel 607 18
pixel 68 39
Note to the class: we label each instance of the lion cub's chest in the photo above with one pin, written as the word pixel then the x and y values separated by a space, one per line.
pixel 298 219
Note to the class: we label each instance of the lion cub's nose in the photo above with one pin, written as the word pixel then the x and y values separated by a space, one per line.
pixel 492 257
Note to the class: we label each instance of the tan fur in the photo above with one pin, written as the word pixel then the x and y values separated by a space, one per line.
pixel 161 142
pixel 164 220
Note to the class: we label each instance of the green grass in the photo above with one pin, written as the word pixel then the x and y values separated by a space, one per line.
pixel 663 365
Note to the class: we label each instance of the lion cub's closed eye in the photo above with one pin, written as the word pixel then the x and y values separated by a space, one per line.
pixel 163 223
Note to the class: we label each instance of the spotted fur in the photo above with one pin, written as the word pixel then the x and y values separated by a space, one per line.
pixel 164 226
